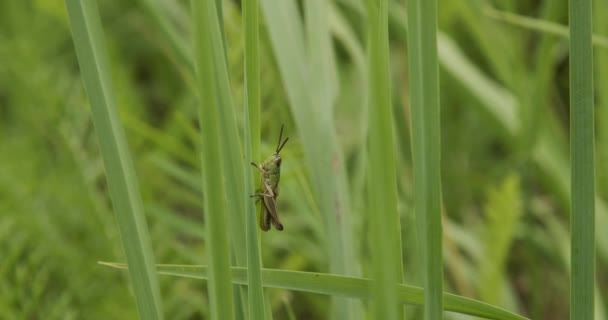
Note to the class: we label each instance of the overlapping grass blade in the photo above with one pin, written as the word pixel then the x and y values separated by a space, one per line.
pixel 311 89
pixel 502 105
pixel 496 99
pixel 252 151
pixel 122 183
pixel 206 30
pixel 231 153
pixel 352 287
pixel 582 276
pixel 383 217
pixel 323 90
pixel 541 25
pixel 426 145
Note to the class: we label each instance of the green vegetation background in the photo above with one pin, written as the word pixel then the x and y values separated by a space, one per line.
pixel 504 108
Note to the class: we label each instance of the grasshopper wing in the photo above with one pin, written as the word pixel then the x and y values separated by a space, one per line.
pixel 264 217
pixel 270 213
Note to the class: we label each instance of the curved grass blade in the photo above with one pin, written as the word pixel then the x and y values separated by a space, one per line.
pixel 541 25
pixel 336 285
pixel 122 183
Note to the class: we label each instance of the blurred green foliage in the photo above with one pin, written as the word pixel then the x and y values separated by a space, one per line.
pixel 505 209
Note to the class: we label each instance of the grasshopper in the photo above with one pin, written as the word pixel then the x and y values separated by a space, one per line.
pixel 269 191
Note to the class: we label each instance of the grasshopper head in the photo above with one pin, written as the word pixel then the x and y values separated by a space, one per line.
pixel 276 159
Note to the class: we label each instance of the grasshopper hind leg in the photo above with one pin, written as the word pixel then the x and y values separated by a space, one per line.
pixel 277 225
pixel 264 217
pixel 271 212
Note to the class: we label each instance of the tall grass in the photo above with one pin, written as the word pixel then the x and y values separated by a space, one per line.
pixel 582 156
pixel 426 145
pixel 124 190
pixel 385 228
pixel 308 70
pixel 221 156
pixel 252 151
pixel 335 285
pixel 220 286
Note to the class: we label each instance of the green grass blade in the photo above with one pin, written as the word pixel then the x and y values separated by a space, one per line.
pixel 495 98
pixel 336 285
pixel 582 177
pixel 220 284
pixel 252 74
pixel 502 104
pixel 556 167
pixel 383 217
pixel 232 154
pixel 540 25
pixel 122 183
pixel 334 199
pixel 600 63
pixel 307 72
pixel 252 151
pixel 424 101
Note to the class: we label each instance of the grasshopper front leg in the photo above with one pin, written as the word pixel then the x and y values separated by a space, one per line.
pixel 260 195
pixel 257 166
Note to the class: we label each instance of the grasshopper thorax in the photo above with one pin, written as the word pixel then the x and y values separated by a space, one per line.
pixel 272 163
pixel 276 159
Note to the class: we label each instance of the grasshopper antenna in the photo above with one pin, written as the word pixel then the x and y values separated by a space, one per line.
pixel 279 144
